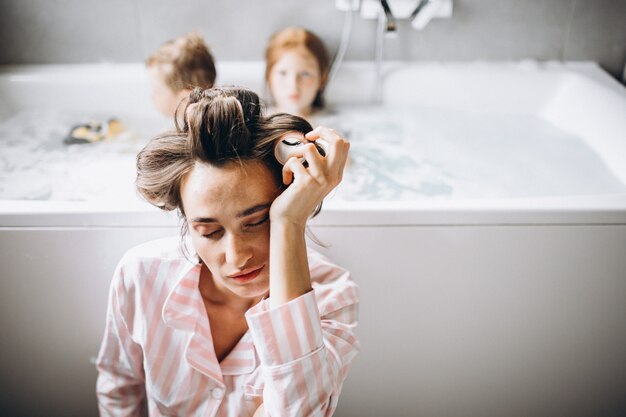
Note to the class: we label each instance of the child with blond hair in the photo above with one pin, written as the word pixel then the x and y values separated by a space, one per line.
pixel 175 68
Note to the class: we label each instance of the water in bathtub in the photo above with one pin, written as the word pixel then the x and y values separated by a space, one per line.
pixel 416 153
pixel 408 153
pixel 38 162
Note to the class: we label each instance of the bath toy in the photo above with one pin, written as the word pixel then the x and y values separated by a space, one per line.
pixel 93 131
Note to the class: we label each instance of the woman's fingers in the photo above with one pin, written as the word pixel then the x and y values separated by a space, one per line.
pixel 342 158
pixel 293 167
pixel 316 162
pixel 336 150
pixel 309 182
pixel 321 132
pixel 327 170
pixel 315 166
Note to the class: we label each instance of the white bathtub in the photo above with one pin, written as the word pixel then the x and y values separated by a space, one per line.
pixel 490 306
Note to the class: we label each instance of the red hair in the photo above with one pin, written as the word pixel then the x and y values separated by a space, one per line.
pixel 293 38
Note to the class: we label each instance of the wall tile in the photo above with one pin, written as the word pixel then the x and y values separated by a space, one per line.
pixel 598 33
pixel 241 36
pixel 41 32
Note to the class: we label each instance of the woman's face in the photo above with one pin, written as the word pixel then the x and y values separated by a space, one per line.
pixel 164 99
pixel 294 81
pixel 227 209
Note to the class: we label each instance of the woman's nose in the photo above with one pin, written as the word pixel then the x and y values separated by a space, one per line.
pixel 237 252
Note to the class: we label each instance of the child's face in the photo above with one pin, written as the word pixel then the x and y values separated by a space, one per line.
pixel 294 82
pixel 163 97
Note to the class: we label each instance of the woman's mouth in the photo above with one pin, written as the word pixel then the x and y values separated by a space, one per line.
pixel 246 275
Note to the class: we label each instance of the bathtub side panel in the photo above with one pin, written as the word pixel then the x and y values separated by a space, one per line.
pixel 53 295
pixel 486 320
pixel 455 320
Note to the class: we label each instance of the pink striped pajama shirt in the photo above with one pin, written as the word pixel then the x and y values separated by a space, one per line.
pixel 158 346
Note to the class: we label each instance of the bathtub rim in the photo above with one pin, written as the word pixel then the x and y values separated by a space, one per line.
pixel 584 210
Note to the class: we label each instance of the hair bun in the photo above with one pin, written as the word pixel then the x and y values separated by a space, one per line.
pixel 219 121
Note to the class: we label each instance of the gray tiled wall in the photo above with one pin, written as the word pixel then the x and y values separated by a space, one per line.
pixel 68 31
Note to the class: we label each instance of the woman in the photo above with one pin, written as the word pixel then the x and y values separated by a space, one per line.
pixel 246 320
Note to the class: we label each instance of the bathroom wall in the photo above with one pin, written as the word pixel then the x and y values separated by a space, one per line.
pixel 71 31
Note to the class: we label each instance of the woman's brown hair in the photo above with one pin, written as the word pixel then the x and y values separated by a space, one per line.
pixel 217 126
pixel 293 38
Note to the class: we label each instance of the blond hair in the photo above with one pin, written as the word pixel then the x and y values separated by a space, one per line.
pixel 185 63
pixel 293 38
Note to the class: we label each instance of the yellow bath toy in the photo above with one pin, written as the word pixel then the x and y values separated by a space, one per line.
pixel 94 131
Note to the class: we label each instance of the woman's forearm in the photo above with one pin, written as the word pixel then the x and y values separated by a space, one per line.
pixel 289 267
pixel 260 412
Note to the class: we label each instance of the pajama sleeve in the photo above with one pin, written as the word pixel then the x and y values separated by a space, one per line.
pixel 305 354
pixel 120 385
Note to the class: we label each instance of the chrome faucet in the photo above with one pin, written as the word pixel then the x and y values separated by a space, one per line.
pixel 390 26
pixel 420 12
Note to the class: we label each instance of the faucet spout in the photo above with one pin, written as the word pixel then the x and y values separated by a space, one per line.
pixel 390 20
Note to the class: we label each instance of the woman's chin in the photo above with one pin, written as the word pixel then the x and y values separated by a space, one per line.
pixel 251 290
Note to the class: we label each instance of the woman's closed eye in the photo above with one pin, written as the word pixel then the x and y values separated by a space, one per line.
pixel 258 223
pixel 213 235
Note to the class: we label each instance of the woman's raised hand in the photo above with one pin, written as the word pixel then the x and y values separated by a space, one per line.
pixel 308 185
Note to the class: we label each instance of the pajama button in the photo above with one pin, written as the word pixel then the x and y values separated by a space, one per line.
pixel 217 393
